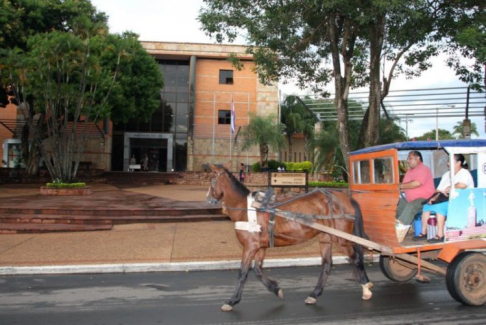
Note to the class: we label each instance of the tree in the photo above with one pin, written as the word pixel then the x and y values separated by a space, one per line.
pixel 459 130
pixel 443 135
pixel 297 119
pixel 296 39
pixel 265 132
pixel 68 79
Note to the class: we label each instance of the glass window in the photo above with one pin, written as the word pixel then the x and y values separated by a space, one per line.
pixel 181 123
pixel 361 172
pixel 224 117
pixel 183 76
pixel 226 77
pixel 182 97
pixel 383 170
pixel 182 108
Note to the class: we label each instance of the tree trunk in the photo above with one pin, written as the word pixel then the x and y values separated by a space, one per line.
pixel 371 122
pixel 289 138
pixel 342 84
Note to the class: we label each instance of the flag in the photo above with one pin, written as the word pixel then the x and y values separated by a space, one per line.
pixel 233 115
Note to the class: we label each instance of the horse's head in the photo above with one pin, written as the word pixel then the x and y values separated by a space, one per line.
pixel 216 192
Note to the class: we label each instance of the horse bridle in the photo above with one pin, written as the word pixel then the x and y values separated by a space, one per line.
pixel 209 197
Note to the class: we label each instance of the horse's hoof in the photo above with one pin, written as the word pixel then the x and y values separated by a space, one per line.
pixel 366 291
pixel 226 307
pixel 280 294
pixel 310 301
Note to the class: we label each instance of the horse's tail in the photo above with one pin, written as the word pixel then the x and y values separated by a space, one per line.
pixel 358 220
pixel 359 270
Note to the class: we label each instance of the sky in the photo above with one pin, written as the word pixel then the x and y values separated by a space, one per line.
pixel 176 21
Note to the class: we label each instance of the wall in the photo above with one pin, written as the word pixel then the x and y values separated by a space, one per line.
pixel 211 142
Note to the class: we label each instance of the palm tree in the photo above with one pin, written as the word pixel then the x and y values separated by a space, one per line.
pixel 292 119
pixel 265 132
pixel 459 130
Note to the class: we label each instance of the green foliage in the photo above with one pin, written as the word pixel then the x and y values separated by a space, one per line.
pixel 265 132
pixel 289 166
pixel 306 166
pixel 65 66
pixel 443 135
pixel 256 167
pixel 328 184
pixel 65 185
pixel 273 164
pixel 458 130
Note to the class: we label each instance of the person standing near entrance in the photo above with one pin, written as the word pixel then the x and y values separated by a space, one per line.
pixel 417 185
pixel 242 173
pixel 133 161
pixel 145 162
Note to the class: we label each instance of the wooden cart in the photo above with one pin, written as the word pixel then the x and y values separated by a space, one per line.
pixel 374 180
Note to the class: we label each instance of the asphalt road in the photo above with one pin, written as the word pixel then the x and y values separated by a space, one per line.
pixel 196 298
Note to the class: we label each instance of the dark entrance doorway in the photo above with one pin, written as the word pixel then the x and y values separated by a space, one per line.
pixel 150 153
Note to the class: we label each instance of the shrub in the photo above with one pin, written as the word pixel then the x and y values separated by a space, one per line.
pixel 289 166
pixel 307 166
pixel 273 164
pixel 328 184
pixel 255 167
pixel 65 185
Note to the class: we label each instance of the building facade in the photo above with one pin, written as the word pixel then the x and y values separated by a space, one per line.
pixel 192 126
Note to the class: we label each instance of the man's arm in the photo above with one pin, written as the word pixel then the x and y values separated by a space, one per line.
pixel 410 185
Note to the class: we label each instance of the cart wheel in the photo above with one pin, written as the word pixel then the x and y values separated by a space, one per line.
pixel 466 278
pixel 397 271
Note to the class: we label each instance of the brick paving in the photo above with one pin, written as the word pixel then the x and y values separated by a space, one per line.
pixel 128 243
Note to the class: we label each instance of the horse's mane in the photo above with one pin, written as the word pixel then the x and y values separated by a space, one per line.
pixel 239 187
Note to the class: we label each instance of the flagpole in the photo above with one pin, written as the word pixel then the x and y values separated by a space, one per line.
pixel 232 121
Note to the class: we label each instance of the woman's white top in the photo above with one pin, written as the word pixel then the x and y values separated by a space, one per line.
pixel 463 176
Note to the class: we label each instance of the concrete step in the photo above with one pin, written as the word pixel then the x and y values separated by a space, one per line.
pixel 104 220
pixel 17 228
pixel 110 212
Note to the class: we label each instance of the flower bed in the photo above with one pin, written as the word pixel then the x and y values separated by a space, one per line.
pixel 65 191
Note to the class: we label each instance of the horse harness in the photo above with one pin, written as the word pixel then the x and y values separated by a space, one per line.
pixel 260 201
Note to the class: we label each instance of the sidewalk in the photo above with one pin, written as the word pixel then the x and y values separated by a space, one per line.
pixel 139 247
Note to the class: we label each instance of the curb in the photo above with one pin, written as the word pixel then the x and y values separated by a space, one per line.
pixel 163 267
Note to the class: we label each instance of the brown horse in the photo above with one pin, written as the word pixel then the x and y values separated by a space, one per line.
pixel 330 209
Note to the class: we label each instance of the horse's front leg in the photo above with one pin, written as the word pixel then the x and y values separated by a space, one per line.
pixel 326 253
pixel 251 246
pixel 270 284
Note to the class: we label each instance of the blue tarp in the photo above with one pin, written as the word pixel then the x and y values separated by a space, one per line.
pixel 423 145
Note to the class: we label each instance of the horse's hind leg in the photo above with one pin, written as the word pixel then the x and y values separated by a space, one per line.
pixel 326 253
pixel 270 284
pixel 357 257
pixel 248 255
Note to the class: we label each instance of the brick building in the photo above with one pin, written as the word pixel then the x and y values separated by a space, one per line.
pixel 192 125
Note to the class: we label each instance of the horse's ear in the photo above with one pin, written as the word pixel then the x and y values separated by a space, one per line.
pixel 228 165
pixel 213 168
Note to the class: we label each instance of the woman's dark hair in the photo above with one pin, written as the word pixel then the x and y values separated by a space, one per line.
pixel 462 159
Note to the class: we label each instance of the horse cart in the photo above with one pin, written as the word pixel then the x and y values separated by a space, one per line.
pixel 374 182
pixel 365 217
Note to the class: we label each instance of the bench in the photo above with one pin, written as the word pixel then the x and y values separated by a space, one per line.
pixel 134 166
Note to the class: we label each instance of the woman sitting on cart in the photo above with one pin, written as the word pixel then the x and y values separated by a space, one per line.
pixel 462 179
